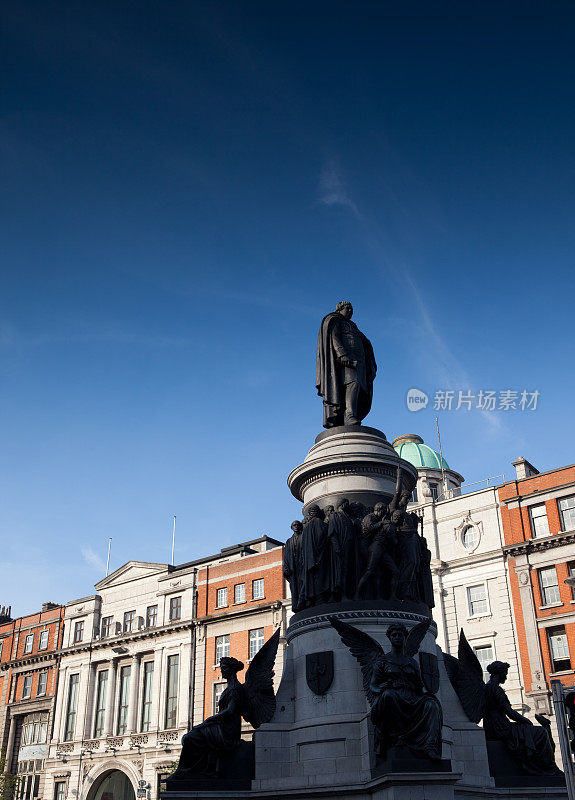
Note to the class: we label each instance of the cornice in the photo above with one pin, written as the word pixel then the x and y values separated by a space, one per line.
pixel 34 658
pixel 134 636
pixel 240 612
pixel 539 545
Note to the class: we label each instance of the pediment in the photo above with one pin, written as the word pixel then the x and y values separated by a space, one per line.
pixel 132 571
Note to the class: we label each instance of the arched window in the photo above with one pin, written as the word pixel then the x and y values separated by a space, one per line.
pixel 114 786
pixel 470 537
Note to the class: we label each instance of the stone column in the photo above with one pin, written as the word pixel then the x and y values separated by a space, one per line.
pixel 523 569
pixel 82 704
pixel 133 701
pixel 10 745
pixel 60 695
pixel 90 700
pixel 156 724
pixel 110 693
pixel 184 685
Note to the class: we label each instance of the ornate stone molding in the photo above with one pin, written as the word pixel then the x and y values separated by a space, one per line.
pixel 468 522
pixel 114 741
pixel 540 545
pixel 92 744
pixel 138 739
pixel 61 749
pixel 385 617
pixel 168 736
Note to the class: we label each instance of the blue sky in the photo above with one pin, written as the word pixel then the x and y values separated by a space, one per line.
pixel 188 187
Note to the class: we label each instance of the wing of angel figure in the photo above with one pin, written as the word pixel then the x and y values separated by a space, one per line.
pixel 415 637
pixel 466 676
pixel 259 700
pixel 365 649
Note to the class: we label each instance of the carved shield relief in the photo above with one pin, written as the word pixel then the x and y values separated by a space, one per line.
pixel 429 671
pixel 319 671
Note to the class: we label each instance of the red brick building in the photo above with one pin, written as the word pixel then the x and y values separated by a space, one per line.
pixel 28 682
pixel 538 516
pixel 241 600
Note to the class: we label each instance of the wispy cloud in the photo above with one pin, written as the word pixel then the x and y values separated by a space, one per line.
pixel 332 190
pixel 93 559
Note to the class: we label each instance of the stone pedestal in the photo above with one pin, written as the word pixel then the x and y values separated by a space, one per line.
pixel 351 461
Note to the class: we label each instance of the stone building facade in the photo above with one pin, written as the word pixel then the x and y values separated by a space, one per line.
pixel 29 657
pixel 538 515
pixel 133 671
pixel 470 575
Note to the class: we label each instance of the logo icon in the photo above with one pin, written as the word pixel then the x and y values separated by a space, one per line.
pixel 416 400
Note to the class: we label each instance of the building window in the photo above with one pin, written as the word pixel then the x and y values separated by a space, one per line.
pixel 222 597
pixel 151 616
pixel 172 692
pixel 60 790
pixel 567 511
pixel 147 694
pixel 256 641
pixel 78 631
pixel 42 684
pixel 413 498
pixel 559 648
pixel 240 593
pixel 129 621
pixel 434 489
pixel 571 568
pixel 175 608
pixel 222 647
pixel 218 689
pixel 29 783
pixel 71 707
pixel 43 644
pixel 34 731
pixel 470 537
pixel 28 643
pixel 107 627
pixel 124 696
pixel 27 687
pixel 100 710
pixel 477 600
pixel 549 586
pixel 485 656
pixel 258 589
pixel 539 523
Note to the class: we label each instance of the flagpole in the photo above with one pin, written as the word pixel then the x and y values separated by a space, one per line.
pixel 173 539
pixel 108 559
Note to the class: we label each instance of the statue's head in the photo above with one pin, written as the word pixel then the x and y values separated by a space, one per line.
pixel 405 497
pixel 343 505
pixel 498 669
pixel 357 510
pixel 314 511
pixel 397 634
pixel 297 526
pixel 379 509
pixel 230 666
pixel 397 516
pixel 344 308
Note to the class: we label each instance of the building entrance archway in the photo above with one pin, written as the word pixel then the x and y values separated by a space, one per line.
pixel 114 785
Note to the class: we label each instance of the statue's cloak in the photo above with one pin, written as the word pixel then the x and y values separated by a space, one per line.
pixel 328 376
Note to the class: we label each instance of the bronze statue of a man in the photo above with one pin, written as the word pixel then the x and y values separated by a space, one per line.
pixel 345 369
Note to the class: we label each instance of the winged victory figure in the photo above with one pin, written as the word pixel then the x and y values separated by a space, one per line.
pixel 531 746
pixel 404 713
pixel 254 700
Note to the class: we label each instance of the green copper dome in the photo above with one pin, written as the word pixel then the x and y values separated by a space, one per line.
pixel 412 449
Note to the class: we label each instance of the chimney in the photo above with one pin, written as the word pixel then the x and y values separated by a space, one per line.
pixel 49 606
pixel 5 614
pixel 524 469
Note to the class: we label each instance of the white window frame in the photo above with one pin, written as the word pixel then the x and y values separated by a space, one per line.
pixel 549 570
pixel 222 593
pixel 28 644
pixel 27 686
pixel 565 645
pixel 43 674
pixel 239 593
pixel 470 602
pixel 259 582
pixel 217 691
pixel 43 641
pixel 570 508
pixel 255 636
pixel 533 517
pixel 222 643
